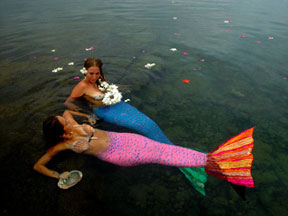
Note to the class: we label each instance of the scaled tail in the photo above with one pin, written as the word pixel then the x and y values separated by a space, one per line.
pixel 232 160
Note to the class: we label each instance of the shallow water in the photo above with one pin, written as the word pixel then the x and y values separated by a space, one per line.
pixel 240 83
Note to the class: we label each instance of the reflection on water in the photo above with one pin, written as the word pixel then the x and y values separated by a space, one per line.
pixel 235 83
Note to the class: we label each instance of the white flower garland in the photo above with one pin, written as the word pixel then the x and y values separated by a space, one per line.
pixel 112 94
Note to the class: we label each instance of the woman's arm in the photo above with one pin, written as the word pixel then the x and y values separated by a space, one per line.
pixel 40 165
pixel 77 92
pixel 68 114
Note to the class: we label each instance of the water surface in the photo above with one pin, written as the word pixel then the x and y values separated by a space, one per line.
pixel 235 83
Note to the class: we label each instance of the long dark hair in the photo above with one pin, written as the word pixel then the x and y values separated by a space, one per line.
pixel 90 62
pixel 53 130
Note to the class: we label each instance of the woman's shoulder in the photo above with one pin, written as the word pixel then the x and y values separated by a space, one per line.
pixel 82 84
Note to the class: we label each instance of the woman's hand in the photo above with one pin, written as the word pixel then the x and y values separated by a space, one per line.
pixel 92 119
pixel 64 175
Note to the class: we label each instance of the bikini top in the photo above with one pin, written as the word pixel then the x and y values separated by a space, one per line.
pixel 82 144
pixel 99 97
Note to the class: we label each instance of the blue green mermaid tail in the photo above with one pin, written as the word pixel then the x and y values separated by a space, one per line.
pixel 123 114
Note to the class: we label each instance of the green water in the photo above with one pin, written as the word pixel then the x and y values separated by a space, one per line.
pixel 240 84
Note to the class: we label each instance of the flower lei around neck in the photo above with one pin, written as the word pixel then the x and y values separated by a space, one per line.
pixel 111 92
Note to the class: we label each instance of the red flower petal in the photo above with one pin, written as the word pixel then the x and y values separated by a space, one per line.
pixel 185 81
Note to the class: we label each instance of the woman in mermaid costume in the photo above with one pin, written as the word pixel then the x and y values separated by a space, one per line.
pixel 123 114
pixel 231 161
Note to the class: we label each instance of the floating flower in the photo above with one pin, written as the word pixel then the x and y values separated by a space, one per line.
pixel 76 77
pixel 173 49
pixel 185 81
pixel 185 53
pixel 228 30
pixel 227 21
pixel 56 58
pixel 175 18
pixel 271 38
pixel 83 70
pixel 149 65
pixel 258 42
pixel 90 48
pixel 71 63
pixel 243 36
pixel 202 60
pixel 57 69
pixel 53 50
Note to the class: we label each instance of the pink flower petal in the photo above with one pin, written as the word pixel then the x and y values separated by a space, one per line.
pixel 270 38
pixel 56 58
pixel 185 53
pixel 76 77
pixel 243 36
pixel 228 30
pixel 258 42
pixel 202 60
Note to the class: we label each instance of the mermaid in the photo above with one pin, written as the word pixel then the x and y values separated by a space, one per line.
pixel 231 161
pixel 123 114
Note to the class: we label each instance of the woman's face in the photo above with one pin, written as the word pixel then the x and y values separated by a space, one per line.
pixel 93 74
pixel 67 126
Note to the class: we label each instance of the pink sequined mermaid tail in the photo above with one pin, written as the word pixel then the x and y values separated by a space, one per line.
pixel 231 161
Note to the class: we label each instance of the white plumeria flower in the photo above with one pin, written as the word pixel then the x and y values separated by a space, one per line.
pixel 149 65
pixel 83 70
pixel 173 49
pixel 55 70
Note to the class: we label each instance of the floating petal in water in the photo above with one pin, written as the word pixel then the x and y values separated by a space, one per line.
pixel 56 58
pixel 258 42
pixel 149 65
pixel 53 50
pixel 173 49
pixel 227 21
pixel 271 38
pixel 243 36
pixel 76 77
pixel 202 60
pixel 90 48
pixel 71 63
pixel 185 53
pixel 185 81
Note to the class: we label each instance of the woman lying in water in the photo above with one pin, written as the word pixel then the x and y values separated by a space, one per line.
pixel 231 161
pixel 123 114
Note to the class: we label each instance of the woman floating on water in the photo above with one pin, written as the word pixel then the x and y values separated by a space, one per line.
pixel 123 114
pixel 231 161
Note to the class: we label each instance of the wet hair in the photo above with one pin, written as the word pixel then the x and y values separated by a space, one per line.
pixel 53 130
pixel 90 62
